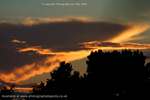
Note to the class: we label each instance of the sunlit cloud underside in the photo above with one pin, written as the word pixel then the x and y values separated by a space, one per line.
pixel 53 57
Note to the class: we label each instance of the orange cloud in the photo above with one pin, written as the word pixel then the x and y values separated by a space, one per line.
pixel 28 71
pixel 49 64
pixel 18 41
pixel 52 62
pixel 132 33
pixel 29 21
pixel 113 46
pixel 38 49
pixel 26 90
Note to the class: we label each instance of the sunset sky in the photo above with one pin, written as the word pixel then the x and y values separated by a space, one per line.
pixel 36 35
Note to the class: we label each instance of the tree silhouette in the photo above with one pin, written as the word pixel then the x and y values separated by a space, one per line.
pixel 146 90
pixel 6 90
pixel 115 73
pixel 147 71
pixel 63 72
pixel 61 82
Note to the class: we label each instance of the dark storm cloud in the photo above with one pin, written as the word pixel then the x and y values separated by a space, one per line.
pixel 10 58
pixel 60 35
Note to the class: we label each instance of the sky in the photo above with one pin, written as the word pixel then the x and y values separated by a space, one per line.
pixel 35 35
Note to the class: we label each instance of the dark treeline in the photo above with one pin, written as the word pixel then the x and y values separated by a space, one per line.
pixel 109 74
pixel 5 90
